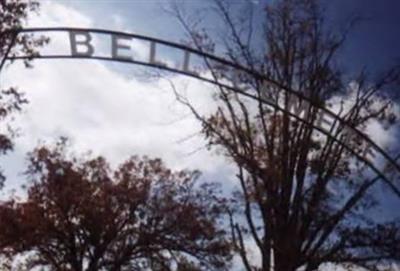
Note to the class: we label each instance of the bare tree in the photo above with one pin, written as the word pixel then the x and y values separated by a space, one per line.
pixel 304 196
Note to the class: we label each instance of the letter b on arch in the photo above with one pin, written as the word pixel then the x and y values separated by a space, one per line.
pixel 83 42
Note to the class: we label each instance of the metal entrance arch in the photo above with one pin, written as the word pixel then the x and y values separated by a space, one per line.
pixel 186 51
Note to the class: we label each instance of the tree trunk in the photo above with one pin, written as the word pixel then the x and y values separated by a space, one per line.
pixel 284 259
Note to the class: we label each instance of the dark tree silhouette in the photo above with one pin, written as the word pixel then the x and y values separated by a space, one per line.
pixel 81 215
pixel 304 198
pixel 13 14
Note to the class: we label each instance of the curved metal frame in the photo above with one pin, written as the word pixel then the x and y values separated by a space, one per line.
pixel 222 61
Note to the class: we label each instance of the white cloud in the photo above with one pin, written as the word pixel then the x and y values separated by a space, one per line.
pixel 102 110
pixel 53 14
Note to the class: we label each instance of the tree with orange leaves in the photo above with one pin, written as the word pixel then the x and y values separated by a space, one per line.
pixel 81 215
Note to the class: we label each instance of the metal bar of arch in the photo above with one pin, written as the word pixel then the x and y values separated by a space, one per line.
pixel 235 66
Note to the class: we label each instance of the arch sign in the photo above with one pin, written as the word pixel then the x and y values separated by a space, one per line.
pixel 82 46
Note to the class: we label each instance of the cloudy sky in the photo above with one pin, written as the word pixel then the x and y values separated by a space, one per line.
pixel 110 109
pixel 104 107
pixel 116 113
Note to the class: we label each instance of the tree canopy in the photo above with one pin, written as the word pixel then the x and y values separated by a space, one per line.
pixel 81 215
